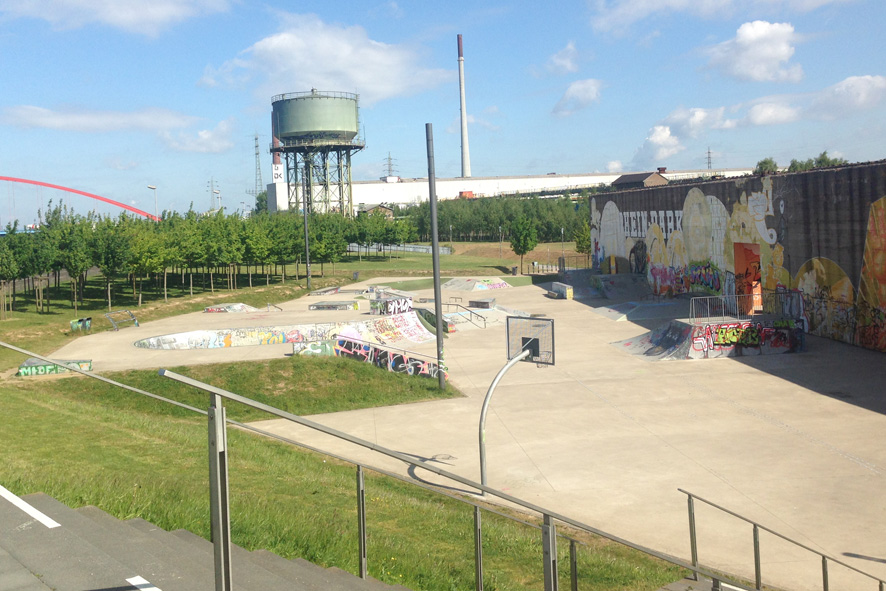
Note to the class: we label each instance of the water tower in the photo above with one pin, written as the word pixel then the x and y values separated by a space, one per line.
pixel 316 133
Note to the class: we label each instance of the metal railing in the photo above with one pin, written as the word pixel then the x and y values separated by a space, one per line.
pixel 384 346
pixel 743 307
pixel 472 316
pixel 219 491
pixel 757 528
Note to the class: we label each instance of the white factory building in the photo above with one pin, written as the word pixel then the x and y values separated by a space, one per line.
pixel 409 191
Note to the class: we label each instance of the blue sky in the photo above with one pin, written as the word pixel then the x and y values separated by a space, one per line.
pixel 109 96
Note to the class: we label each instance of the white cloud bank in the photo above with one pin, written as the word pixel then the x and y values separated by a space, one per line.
pixel 618 15
pixel 667 137
pixel 169 126
pixel 91 121
pixel 144 17
pixel 310 53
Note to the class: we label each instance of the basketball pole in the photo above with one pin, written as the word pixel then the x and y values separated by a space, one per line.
pixel 435 250
pixel 520 357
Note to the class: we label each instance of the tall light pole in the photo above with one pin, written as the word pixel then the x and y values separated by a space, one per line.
pixel 562 245
pixel 500 241
pixel 217 193
pixel 156 211
pixel 450 235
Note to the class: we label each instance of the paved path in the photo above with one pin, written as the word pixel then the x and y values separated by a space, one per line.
pixel 792 441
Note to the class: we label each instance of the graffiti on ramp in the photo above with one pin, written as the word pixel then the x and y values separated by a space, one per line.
pixel 383 330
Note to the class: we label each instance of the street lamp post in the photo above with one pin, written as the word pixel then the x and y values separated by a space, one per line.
pixel 562 245
pixel 450 235
pixel 156 212
pixel 217 193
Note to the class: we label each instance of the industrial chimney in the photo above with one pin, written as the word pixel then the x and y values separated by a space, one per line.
pixel 465 155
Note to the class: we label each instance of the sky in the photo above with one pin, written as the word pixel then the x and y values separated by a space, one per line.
pixel 110 96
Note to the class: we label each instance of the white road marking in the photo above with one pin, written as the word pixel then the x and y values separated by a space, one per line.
pixel 47 521
pixel 141 584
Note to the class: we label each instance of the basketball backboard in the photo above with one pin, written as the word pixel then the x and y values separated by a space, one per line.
pixel 534 334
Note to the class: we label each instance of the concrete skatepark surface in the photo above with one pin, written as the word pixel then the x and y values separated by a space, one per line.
pixel 791 441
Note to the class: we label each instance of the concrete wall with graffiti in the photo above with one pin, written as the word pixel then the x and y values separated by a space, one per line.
pixel 822 232
pixel 392 360
pixel 383 330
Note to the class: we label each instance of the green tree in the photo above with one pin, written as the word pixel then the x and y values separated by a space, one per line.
pixel 524 238
pixel 261 203
pixel 73 253
pixel 825 160
pixel 109 246
pixel 766 166
pixel 582 238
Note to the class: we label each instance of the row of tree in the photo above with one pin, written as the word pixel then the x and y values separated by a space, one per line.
pixel 462 220
pixel 137 248
pixel 769 165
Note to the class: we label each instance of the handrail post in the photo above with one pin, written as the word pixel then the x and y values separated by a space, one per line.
pixel 693 541
pixel 549 552
pixel 824 573
pixel 522 355
pixel 478 549
pixel 758 579
pixel 573 565
pixel 361 523
pixel 218 493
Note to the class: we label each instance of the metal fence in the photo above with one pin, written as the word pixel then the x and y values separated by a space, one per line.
pixel 826 560
pixel 419 248
pixel 743 307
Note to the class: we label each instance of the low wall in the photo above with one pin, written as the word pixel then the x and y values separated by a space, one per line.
pixel 393 361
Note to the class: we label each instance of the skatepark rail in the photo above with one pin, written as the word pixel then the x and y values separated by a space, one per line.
pixel 825 559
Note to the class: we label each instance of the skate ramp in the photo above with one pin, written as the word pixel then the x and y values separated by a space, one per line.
pixel 467 284
pixel 622 287
pixel 399 329
pixel 230 308
pixel 679 339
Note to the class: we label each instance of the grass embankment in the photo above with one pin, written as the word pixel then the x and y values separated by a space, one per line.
pixel 87 443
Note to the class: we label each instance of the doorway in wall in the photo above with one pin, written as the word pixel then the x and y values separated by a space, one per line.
pixel 747 278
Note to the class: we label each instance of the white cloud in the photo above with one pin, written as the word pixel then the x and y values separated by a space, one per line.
pixel 696 121
pixel 856 93
pixel 618 15
pixel 614 166
pixel 771 113
pixel 578 95
pixel 92 121
pixel 759 52
pixel 564 61
pixel 146 17
pixel 206 141
pixel 473 121
pixel 309 53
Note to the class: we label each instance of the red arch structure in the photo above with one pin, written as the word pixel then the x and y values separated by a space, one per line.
pixel 84 193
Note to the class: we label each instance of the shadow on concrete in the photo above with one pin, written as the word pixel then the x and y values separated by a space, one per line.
pixel 439 459
pixel 838 370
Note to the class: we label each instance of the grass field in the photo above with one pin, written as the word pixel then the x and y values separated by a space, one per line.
pixel 85 442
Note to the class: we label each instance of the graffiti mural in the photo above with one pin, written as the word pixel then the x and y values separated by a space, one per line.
pixel 389 306
pixel 393 361
pixel 820 232
pixel 736 339
pixel 383 330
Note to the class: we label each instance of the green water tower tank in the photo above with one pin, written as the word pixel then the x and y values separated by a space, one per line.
pixel 315 115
